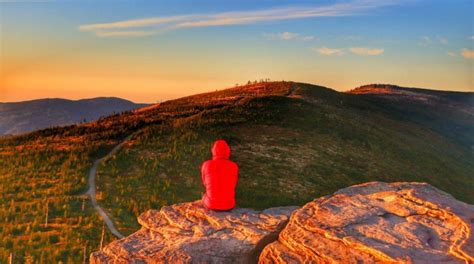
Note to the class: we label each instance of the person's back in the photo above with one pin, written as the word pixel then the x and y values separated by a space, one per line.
pixel 219 177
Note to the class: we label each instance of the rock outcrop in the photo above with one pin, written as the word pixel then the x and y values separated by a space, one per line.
pixel 378 223
pixel 189 233
pixel 369 223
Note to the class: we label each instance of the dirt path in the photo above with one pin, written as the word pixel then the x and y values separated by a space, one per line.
pixel 292 90
pixel 93 172
pixel 92 189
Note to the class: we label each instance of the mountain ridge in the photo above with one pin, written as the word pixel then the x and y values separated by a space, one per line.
pixel 27 116
pixel 74 100
pixel 461 97
pixel 394 86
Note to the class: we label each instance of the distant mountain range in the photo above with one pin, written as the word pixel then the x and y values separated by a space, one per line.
pixel 26 116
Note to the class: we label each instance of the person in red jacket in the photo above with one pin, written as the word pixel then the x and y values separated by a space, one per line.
pixel 219 177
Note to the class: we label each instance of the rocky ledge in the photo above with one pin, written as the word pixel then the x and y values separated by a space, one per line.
pixel 368 223
pixel 189 233
pixel 378 223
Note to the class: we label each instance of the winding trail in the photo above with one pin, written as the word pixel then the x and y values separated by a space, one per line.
pixel 292 90
pixel 92 189
pixel 93 172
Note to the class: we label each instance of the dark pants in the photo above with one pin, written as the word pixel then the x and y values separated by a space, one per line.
pixel 221 210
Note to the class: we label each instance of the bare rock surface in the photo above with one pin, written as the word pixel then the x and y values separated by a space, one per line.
pixel 378 223
pixel 190 233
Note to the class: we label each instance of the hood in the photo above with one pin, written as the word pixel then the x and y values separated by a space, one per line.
pixel 220 150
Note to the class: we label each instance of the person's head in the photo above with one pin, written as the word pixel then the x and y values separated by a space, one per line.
pixel 220 150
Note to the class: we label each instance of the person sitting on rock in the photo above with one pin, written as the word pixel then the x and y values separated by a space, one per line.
pixel 219 177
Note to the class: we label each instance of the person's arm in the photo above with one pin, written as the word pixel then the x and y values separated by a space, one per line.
pixel 203 178
pixel 237 175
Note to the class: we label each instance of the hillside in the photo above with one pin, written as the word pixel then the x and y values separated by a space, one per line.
pixel 293 142
pixel 446 112
pixel 26 116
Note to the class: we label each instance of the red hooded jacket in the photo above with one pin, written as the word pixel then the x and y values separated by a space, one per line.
pixel 219 177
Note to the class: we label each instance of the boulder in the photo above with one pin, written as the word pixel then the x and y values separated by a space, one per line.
pixel 378 223
pixel 190 233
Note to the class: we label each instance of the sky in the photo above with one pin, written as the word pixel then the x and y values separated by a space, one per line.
pixel 149 51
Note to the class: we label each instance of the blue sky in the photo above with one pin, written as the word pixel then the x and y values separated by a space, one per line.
pixel 154 50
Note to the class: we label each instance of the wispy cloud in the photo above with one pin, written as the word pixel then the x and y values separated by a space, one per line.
pixel 133 23
pixel 329 51
pixel 282 36
pixel 425 41
pixel 366 51
pixel 353 7
pixel 360 51
pixel 351 38
pixel 451 54
pixel 467 53
pixel 471 37
pixel 442 40
pixel 287 36
pixel 307 38
pixel 108 34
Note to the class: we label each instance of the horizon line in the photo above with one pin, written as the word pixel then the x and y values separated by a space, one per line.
pixel 75 99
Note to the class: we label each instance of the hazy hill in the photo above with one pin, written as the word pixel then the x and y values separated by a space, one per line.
pixel 292 141
pixel 446 112
pixel 463 101
pixel 26 116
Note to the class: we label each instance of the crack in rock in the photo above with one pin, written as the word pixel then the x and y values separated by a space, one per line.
pixel 378 222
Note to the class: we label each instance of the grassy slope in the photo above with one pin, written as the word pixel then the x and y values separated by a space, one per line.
pixel 46 170
pixel 290 150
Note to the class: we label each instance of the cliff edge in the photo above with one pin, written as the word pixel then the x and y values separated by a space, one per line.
pixel 378 223
pixel 190 233
pixel 368 223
